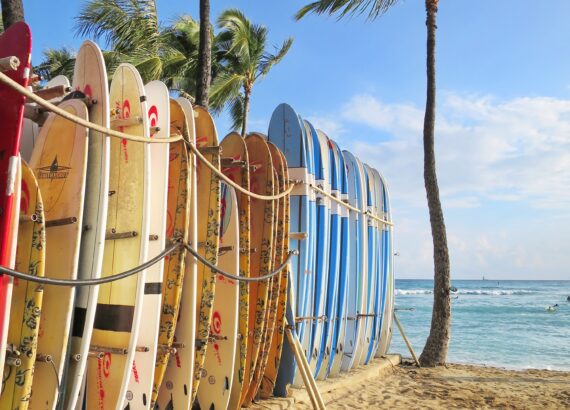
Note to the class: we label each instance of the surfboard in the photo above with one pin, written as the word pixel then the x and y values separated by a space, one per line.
pixel 119 304
pixel 31 129
pixel 90 78
pixel 375 277
pixel 388 266
pixel 236 166
pixel 282 250
pixel 214 391
pixel 275 282
pixel 59 161
pixel 357 262
pixel 367 287
pixel 272 284
pixel 175 359
pixel 380 265
pixel 141 381
pixel 15 41
pixel 261 241
pixel 287 133
pixel 330 325
pixel 346 245
pixel 322 180
pixel 27 297
pixel 208 217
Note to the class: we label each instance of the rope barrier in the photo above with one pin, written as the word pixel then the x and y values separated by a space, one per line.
pixel 239 278
pixel 173 138
pixel 238 187
pixel 80 121
pixel 112 278
pixel 350 207
pixel 89 282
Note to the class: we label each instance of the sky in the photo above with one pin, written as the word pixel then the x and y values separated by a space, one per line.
pixel 502 127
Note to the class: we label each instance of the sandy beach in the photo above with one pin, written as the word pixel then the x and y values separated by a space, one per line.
pixel 454 386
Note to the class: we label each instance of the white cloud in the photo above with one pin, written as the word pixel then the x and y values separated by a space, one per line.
pixel 513 153
pixel 332 127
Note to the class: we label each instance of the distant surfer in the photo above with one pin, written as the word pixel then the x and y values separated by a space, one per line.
pixel 552 308
pixel 567 298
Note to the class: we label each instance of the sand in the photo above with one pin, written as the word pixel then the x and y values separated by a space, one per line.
pixel 457 387
pixel 386 384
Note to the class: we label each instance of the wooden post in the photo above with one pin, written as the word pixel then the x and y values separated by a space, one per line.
pixel 406 340
pixel 9 63
pixel 304 374
pixel 309 381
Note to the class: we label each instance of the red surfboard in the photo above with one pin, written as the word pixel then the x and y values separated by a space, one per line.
pixel 16 41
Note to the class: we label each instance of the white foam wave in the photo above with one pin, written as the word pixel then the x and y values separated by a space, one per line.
pixel 489 292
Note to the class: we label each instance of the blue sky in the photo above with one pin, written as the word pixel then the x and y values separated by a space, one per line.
pixel 503 126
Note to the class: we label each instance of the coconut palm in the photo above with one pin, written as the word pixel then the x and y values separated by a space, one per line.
pixel 12 11
pixel 245 60
pixel 435 350
pixel 204 55
pixel 56 62
pixel 131 29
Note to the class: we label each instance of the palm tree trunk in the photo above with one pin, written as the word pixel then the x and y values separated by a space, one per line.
pixel 204 56
pixel 12 12
pixel 435 350
pixel 247 95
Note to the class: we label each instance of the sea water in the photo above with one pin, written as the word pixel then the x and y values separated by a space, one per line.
pixel 497 323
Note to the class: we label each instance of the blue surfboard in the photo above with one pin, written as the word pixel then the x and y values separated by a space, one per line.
pixel 335 251
pixel 341 298
pixel 286 133
pixel 357 262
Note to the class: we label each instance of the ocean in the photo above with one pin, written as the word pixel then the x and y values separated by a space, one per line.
pixel 498 323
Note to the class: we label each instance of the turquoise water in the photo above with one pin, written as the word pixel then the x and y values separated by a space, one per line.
pixel 501 323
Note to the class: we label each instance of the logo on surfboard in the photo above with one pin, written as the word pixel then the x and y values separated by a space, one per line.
pixel 53 171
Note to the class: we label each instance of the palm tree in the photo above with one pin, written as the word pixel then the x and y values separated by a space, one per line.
pixel 56 62
pixel 12 11
pixel 435 350
pixel 132 30
pixel 243 55
pixel 204 55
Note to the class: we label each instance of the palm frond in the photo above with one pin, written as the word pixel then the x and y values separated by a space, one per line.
pixel 269 60
pixel 225 88
pixel 236 112
pixel 56 62
pixel 373 8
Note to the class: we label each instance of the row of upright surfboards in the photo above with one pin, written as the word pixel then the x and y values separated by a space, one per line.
pixel 179 333
pixel 342 283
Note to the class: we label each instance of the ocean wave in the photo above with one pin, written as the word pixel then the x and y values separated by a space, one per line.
pixel 496 292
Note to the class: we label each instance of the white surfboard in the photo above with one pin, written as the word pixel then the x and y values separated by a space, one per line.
pixel 215 388
pixel 142 374
pixel 90 77
pixel 176 389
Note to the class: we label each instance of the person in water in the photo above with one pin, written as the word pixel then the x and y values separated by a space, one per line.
pixel 568 299
pixel 552 308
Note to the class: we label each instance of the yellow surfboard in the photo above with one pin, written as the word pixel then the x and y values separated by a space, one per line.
pixel 261 235
pixel 208 214
pixel 117 321
pixel 177 228
pixel 282 250
pixel 26 297
pixel 59 161
pixel 235 165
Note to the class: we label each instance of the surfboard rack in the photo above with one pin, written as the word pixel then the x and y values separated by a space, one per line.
pixel 154 130
pixel 50 93
pixel 215 149
pixel 113 234
pixel 60 222
pixel 116 350
pixel 229 162
pixel 76 357
pixel 317 319
pixel 13 360
pixel 10 63
pixel 34 114
pixel 28 218
pixel 95 355
pixel 153 237
pixel 126 122
pixel 214 338
pixel 166 348
pixel 44 358
pixel 298 236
